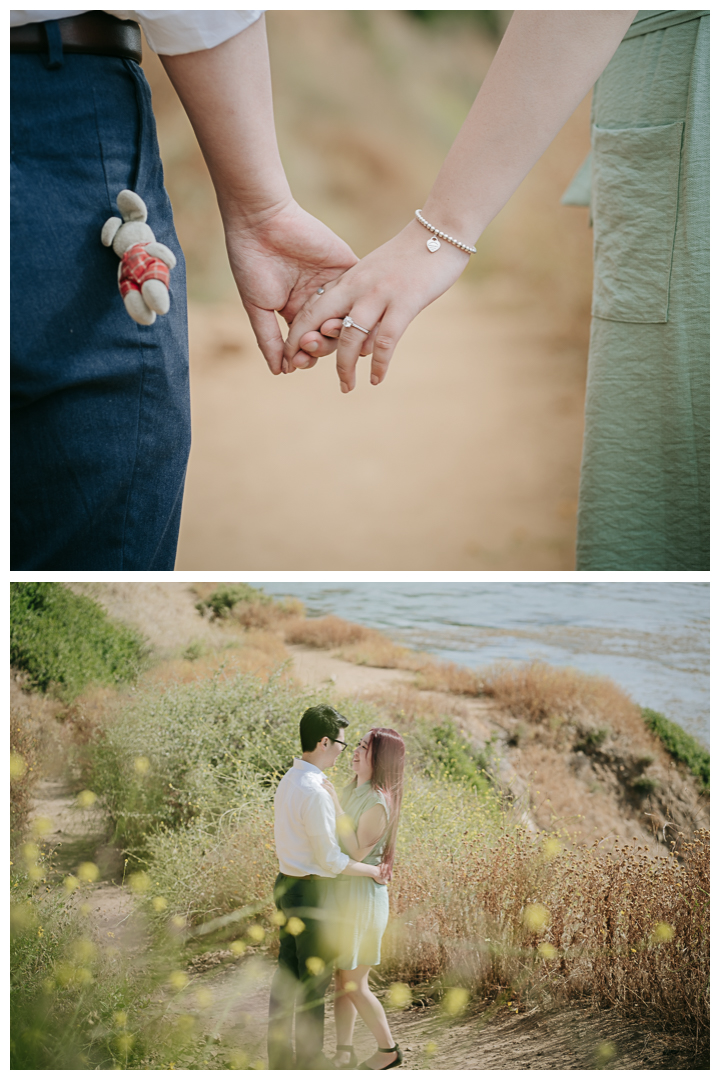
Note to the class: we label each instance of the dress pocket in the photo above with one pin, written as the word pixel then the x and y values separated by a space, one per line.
pixel 634 206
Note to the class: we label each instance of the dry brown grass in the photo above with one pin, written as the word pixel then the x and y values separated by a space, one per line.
pixel 24 757
pixel 449 678
pixel 328 632
pixel 536 918
pixel 260 653
pixel 541 694
pixel 361 645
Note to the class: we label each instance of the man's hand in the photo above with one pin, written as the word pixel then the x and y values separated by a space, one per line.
pixel 279 262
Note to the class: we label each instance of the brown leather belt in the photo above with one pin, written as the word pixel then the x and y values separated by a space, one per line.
pixel 93 32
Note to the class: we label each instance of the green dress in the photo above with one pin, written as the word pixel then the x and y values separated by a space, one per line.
pixel 644 489
pixel 357 907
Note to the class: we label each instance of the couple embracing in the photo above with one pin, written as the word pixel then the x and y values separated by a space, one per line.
pixel 336 856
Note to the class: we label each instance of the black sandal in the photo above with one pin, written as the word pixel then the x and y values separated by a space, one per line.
pixel 393 1064
pixel 352 1063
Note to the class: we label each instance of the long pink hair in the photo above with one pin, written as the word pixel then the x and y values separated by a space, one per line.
pixel 387 759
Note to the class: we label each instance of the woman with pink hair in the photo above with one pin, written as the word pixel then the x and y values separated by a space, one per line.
pixel 368 811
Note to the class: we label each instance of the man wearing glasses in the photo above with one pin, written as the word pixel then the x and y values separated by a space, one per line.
pixel 309 856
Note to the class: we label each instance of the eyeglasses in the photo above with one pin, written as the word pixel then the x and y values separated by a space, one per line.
pixel 339 742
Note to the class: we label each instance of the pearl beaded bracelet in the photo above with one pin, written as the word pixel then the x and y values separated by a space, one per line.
pixel 434 242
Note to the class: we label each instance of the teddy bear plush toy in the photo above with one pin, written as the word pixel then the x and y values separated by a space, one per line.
pixel 145 265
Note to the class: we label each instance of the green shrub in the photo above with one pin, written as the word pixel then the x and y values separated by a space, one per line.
pixel 592 740
pixel 444 753
pixel 196 750
pixel 65 642
pixel 682 746
pixel 225 597
pixel 645 785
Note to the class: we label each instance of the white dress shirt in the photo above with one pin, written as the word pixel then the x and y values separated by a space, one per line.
pixel 167 32
pixel 305 838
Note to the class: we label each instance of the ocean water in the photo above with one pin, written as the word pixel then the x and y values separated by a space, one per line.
pixel 652 639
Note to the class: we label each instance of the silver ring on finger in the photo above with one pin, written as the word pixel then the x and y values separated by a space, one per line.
pixel 347 321
pixel 320 291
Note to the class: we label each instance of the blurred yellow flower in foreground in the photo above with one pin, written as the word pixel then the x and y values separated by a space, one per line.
pixel 552 847
pixel 22 917
pixel 18 768
pixel 178 921
pixel 139 882
pixel 41 826
pixel 455 1000
pixel 204 998
pixel 431 1048
pixel 238 947
pixel 30 852
pixel 34 873
pixel 536 917
pixel 178 980
pixel 399 995
pixel 603 1054
pixel 141 765
pixel 255 933
pixel 345 825
pixel 86 798
pixel 351 986
pixel 238 1060
pixel 120 1019
pixel 88 871
pixel 295 926
pixel 314 965
pixel 71 883
pixel 278 918
pixel 84 951
pixel 159 903
pixel 547 951
pixel 662 932
pixel 124 1043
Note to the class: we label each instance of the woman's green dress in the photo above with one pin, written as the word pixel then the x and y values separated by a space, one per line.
pixel 644 490
pixel 357 907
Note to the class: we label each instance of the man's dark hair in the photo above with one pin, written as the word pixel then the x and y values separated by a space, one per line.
pixel 317 722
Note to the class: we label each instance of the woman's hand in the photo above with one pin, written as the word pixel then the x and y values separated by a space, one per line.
pixel 382 293
pixel 327 784
pixel 279 262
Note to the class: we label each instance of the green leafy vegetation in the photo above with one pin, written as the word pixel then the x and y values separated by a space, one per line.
pixel 681 745
pixel 225 597
pixel 448 755
pixel 65 642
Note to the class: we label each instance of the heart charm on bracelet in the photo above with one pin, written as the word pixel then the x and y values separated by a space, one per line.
pixel 433 243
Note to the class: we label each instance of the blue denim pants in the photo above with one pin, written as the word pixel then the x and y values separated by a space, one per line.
pixel 100 428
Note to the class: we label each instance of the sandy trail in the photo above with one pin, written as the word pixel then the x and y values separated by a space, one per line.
pixel 466 458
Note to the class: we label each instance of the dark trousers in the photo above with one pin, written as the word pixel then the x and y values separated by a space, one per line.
pixel 298 989
pixel 100 423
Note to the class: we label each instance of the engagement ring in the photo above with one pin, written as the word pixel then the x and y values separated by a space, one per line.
pixel 347 321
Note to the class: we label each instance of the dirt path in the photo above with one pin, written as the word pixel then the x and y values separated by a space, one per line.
pixel 467 458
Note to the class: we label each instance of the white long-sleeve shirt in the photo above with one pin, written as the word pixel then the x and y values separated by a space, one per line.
pixel 305 838
pixel 167 32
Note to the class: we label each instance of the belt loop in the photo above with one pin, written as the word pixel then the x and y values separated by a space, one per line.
pixel 54 40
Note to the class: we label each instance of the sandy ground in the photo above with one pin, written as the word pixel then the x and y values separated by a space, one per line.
pixel 466 458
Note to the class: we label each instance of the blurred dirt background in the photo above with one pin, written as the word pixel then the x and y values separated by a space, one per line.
pixel 468 456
